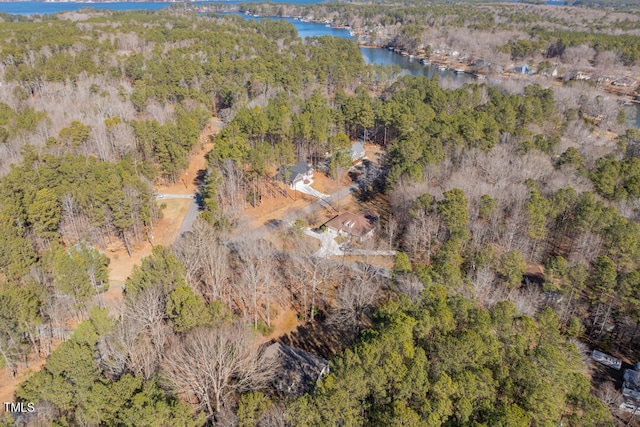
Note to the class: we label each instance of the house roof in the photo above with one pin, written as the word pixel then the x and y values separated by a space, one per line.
pixel 357 150
pixel 299 168
pixel 632 379
pixel 524 69
pixel 631 384
pixel 294 172
pixel 297 371
pixel 354 224
pixel 606 359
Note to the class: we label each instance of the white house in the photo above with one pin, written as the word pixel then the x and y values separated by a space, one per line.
pixel 300 172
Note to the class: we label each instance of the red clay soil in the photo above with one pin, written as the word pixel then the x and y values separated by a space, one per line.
pixel 8 383
pixel 535 270
pixel 165 230
pixel 189 180
pixel 285 322
pixel 327 185
pixel 121 264
pixel 274 208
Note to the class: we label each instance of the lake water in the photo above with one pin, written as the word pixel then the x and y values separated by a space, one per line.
pixel 46 8
pixel 412 66
pixel 305 29
pixel 378 56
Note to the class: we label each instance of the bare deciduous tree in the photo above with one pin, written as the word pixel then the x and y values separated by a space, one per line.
pixel 579 56
pixel 355 298
pixel 212 364
pixel 206 259
pixel 128 348
pixel 149 311
pixel 232 191
pixel 484 283
pixel 409 284
pixel 526 299
pixel 254 283
pixel 188 250
pixel 391 229
pixel 59 310
pixel 420 233
pixel 70 212
pixel 310 276
pixel 608 395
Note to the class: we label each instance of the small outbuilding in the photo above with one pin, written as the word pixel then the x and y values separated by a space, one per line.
pixel 357 151
pixel 607 360
pixel 522 69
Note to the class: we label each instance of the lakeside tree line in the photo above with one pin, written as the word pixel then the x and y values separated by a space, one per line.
pixel 491 38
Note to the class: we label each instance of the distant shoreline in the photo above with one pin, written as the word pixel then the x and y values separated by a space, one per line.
pixel 127 1
pixel 110 1
pixel 122 1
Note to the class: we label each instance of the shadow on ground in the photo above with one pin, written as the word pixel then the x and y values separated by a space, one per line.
pixel 316 337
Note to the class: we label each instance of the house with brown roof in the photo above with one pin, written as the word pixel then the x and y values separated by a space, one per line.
pixel 360 226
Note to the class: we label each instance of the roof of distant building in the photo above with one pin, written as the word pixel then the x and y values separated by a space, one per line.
pixel 632 379
pixel 300 168
pixel 355 224
pixel 357 150
pixel 624 81
pixel 606 359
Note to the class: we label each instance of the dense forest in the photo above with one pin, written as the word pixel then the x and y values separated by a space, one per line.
pixel 479 186
pixel 93 114
pixel 603 43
